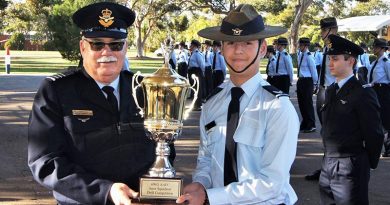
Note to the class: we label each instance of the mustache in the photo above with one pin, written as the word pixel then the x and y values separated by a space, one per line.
pixel 107 59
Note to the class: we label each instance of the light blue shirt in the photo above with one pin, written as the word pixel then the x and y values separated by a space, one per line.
pixel 208 57
pixel 271 66
pixel 219 62
pixel 318 57
pixel 329 79
pixel 381 73
pixel 363 61
pixel 115 85
pixel 265 152
pixel 182 57
pixel 285 64
pixel 307 67
pixel 196 60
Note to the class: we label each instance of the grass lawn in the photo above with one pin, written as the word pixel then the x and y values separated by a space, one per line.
pixel 52 62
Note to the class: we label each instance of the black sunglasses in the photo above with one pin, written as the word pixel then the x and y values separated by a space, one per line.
pixel 98 45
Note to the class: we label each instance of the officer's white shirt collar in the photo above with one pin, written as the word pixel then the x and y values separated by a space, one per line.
pixel 343 81
pixel 114 84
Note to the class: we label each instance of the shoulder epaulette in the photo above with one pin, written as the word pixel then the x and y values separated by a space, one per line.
pixel 214 92
pixel 285 53
pixel 308 53
pixel 274 91
pixel 385 59
pixel 63 74
pixel 272 59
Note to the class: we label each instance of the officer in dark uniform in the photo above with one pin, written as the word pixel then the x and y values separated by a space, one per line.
pixel 379 78
pixel 86 139
pixel 351 129
pixel 328 26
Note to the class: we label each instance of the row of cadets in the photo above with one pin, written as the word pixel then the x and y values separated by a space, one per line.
pixel 307 80
pixel 282 77
pixel 208 73
pixel 196 66
pixel 379 78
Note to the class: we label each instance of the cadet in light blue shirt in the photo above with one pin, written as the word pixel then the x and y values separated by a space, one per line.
pixel 182 66
pixel 271 64
pixel 307 77
pixel 317 54
pixel 363 64
pixel 208 73
pixel 219 65
pixel 283 77
pixel 244 155
pixel 196 66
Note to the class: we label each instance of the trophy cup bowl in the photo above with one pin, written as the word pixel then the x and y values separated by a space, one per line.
pixel 165 93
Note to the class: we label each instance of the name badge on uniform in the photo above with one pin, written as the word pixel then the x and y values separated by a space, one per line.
pixel 82 115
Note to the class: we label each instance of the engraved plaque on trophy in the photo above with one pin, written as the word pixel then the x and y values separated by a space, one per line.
pixel 165 94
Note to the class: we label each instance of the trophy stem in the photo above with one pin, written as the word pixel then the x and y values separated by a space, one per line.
pixel 162 167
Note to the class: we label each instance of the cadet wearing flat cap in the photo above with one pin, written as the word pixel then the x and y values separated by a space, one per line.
pixel 283 76
pixel 87 143
pixel 219 65
pixel 244 156
pixel 307 80
pixel 351 129
pixel 379 78
pixel 328 26
pixel 318 55
pixel 208 72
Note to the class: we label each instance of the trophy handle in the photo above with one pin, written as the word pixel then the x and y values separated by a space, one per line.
pixel 134 85
pixel 195 85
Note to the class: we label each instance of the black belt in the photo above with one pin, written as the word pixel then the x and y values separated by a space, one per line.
pixel 381 84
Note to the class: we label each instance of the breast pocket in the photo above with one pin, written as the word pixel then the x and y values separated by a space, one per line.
pixel 250 131
pixel 88 135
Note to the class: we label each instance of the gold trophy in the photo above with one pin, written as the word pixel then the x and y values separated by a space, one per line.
pixel 165 94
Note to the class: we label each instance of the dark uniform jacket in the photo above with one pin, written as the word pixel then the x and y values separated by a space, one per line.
pixel 76 148
pixel 351 122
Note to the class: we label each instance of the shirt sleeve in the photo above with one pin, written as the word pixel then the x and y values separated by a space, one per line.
pixel 202 172
pixel 47 145
pixel 312 67
pixel 278 155
pixel 289 66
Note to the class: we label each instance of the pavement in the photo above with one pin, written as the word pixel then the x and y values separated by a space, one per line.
pixel 18 188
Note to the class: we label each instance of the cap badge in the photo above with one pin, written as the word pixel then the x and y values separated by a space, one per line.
pixel 237 31
pixel 106 20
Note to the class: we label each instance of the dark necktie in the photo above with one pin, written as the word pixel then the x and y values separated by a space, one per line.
pixel 322 73
pixel 372 72
pixel 299 65
pixel 112 100
pixel 214 60
pixel 277 63
pixel 205 56
pixel 267 68
pixel 230 167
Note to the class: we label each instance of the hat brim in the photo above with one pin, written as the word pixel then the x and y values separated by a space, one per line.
pixel 214 33
pixel 105 34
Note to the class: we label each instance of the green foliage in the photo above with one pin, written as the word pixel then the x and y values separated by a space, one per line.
pixel 3 4
pixel 65 34
pixel 16 42
pixel 273 7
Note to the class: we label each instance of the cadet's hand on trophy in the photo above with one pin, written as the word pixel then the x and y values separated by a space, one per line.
pixel 194 194
pixel 121 194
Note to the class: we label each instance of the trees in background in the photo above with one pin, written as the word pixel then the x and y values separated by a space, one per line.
pixel 179 19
